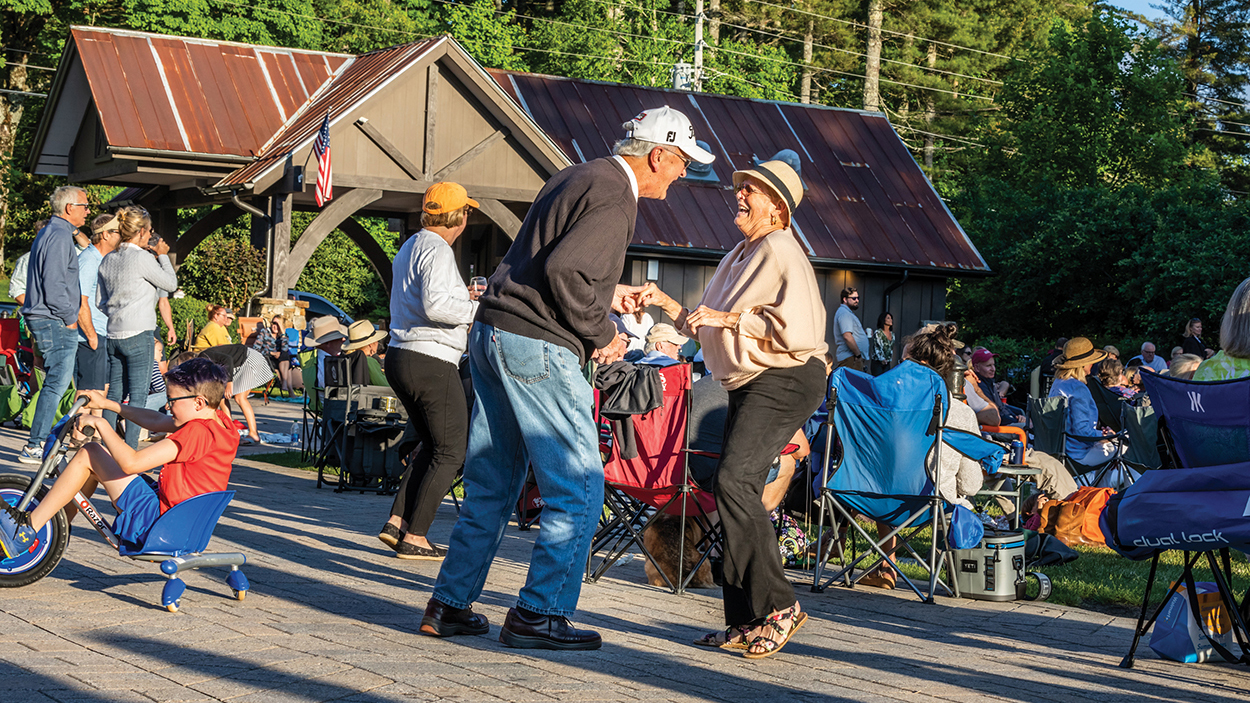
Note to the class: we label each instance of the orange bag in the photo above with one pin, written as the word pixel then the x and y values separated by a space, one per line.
pixel 1074 520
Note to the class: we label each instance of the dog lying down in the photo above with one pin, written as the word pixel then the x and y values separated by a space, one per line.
pixel 662 538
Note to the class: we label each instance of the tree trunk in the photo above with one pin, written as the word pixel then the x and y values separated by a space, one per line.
pixel 904 109
pixel 714 24
pixel 805 91
pixel 11 109
pixel 930 113
pixel 872 66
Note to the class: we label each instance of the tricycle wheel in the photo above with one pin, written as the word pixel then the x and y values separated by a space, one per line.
pixel 43 556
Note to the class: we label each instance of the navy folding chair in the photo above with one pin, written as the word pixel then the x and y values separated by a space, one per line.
pixel 1200 507
pixel 887 427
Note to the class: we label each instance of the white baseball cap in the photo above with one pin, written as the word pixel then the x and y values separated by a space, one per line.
pixel 664 125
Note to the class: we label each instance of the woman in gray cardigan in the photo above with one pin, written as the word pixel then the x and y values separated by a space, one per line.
pixel 130 280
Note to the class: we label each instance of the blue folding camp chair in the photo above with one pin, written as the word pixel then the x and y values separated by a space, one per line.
pixel 887 426
pixel 1200 507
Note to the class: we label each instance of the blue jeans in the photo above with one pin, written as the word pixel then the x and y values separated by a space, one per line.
pixel 58 345
pixel 130 375
pixel 540 415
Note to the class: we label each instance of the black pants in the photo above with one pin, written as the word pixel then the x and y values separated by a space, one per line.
pixel 433 395
pixel 763 416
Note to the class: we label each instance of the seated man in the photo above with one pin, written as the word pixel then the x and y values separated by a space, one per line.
pixel 1150 361
pixel 361 350
pixel 663 347
pixel 983 368
pixel 197 455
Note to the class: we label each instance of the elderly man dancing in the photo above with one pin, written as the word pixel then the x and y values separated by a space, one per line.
pixel 544 313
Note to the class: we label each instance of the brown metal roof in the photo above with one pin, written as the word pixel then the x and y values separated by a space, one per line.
pixel 867 200
pixel 360 78
pixel 195 95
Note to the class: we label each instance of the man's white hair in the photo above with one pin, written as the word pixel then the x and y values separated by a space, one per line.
pixel 63 196
pixel 1146 344
pixel 633 147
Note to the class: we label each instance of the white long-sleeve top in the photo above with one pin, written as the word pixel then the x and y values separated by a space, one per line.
pixel 130 283
pixel 430 306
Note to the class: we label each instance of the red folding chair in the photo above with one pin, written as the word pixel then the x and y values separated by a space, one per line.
pixel 657 481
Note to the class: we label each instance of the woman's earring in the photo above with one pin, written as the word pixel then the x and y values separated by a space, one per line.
pixel 772 219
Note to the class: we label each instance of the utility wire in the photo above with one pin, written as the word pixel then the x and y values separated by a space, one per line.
pixel 861 25
pixel 857 53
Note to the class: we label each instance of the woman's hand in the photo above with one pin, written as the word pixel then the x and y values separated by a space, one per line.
pixel 96 400
pixel 703 316
pixel 652 295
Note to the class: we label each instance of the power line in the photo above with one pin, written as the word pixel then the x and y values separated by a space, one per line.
pixel 857 53
pixel 883 31
pixel 852 75
pixel 23 92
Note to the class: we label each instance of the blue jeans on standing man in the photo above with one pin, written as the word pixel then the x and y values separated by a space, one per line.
pixel 130 375
pixel 58 345
pixel 541 416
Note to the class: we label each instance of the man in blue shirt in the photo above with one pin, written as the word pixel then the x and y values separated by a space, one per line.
pixel 93 364
pixel 53 301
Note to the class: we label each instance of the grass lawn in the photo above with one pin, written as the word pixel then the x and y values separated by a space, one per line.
pixel 1104 581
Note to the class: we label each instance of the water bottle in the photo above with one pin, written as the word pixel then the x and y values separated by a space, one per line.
pixel 1017 453
pixel 295 428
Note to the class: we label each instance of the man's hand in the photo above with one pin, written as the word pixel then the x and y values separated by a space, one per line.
pixel 171 337
pixel 93 340
pixel 611 353
pixel 625 298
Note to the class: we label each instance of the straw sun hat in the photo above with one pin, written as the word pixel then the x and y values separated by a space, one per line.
pixel 1079 352
pixel 781 181
pixel 361 334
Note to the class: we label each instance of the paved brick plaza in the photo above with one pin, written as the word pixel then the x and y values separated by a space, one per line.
pixel 332 615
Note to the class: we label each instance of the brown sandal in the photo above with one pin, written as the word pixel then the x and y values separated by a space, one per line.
pixel 769 646
pixel 725 638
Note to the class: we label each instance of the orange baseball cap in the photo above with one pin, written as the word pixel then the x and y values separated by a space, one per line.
pixel 445 197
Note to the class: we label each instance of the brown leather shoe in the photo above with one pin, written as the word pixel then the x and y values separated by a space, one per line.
pixel 442 620
pixel 523 629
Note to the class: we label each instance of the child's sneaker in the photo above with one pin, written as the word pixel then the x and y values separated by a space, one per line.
pixel 16 534
pixel 31 455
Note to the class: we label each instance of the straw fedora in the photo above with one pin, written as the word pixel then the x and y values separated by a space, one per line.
pixel 361 334
pixel 326 329
pixel 1079 352
pixel 778 177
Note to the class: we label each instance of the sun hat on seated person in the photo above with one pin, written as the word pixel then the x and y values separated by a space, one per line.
pixel 362 334
pixel 664 332
pixel 326 329
pixel 1079 352
pixel 780 179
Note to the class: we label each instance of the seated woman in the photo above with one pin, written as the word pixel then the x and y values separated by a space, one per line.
pixel 1111 376
pixel 1184 366
pixel 1233 361
pixel 214 332
pixel 1079 354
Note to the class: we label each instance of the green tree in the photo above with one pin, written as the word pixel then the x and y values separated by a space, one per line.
pixel 1098 104
pixel 224 269
pixel 488 36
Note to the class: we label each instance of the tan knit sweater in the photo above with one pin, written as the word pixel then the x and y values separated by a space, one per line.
pixel 770 281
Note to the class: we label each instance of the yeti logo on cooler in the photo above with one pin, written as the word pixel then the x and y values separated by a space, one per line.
pixel 1195 402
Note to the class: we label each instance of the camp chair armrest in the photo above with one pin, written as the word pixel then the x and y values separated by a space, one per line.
pixel 1097 438
pixel 1008 429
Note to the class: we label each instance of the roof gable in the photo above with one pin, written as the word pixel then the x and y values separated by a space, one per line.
pixel 175 94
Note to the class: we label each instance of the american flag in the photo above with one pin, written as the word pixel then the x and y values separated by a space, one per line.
pixel 325 188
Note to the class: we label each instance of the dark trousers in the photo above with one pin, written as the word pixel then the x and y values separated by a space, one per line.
pixel 433 395
pixel 763 416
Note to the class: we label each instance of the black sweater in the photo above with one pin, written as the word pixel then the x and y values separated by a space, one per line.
pixel 557 279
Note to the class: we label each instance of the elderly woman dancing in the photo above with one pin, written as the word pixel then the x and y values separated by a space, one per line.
pixel 762 327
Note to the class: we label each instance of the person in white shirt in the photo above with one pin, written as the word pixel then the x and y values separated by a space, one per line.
pixel 1150 359
pixel 431 310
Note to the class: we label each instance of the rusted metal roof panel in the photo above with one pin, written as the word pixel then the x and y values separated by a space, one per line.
pixel 350 85
pixel 867 200
pixel 193 95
